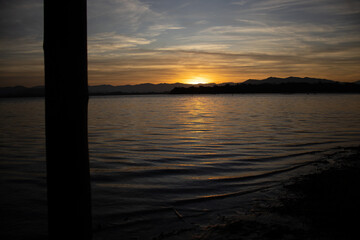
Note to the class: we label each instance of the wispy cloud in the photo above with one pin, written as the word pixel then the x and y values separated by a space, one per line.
pixel 21 18
pixel 22 46
pixel 112 42
pixel 120 16
pixel 292 8
pixel 263 29
pixel 196 47
pixel 164 27
pixel 240 2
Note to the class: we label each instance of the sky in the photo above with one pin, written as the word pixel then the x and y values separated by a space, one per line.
pixel 192 41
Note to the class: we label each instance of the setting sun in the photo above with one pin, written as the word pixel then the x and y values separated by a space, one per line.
pixel 198 80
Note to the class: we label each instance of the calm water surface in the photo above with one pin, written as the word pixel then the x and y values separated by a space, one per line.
pixel 154 157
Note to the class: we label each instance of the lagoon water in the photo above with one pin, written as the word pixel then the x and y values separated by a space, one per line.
pixel 159 162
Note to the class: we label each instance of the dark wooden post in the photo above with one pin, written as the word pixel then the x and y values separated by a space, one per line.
pixel 66 100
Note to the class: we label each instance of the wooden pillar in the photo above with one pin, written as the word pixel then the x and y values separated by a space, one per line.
pixel 66 100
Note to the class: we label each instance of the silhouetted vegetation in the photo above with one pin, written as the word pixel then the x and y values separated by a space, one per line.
pixel 20 91
pixel 289 87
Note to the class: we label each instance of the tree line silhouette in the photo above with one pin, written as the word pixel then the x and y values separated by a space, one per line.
pixel 334 87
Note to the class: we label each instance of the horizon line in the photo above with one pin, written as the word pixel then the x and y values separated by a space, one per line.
pixel 37 86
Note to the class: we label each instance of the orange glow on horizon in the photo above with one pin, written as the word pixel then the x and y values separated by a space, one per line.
pixel 198 80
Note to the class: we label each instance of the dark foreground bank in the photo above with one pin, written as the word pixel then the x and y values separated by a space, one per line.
pixel 321 205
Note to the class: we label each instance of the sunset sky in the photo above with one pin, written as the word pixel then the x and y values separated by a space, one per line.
pixel 190 41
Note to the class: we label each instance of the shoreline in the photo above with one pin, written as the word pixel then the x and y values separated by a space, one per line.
pixel 321 205
pixel 187 94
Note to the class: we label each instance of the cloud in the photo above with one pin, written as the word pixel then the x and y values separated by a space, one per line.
pixel 196 47
pixel 128 17
pixel 164 27
pixel 288 39
pixel 20 47
pixel 240 3
pixel 311 8
pixel 200 22
pixel 125 16
pixel 283 6
pixel 20 18
pixel 274 30
pixel 112 42
pixel 250 22
pixel 21 61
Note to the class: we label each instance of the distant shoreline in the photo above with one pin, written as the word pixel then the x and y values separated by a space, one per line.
pixel 270 85
pixel 285 87
pixel 143 94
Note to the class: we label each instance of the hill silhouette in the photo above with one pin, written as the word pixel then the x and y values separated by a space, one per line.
pixel 145 88
pixel 276 85
pixel 275 80
pixel 269 85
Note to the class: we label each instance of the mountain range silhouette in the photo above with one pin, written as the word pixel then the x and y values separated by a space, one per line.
pixel 268 85
pixel 276 85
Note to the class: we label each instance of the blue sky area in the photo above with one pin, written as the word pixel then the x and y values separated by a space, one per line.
pixel 156 41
